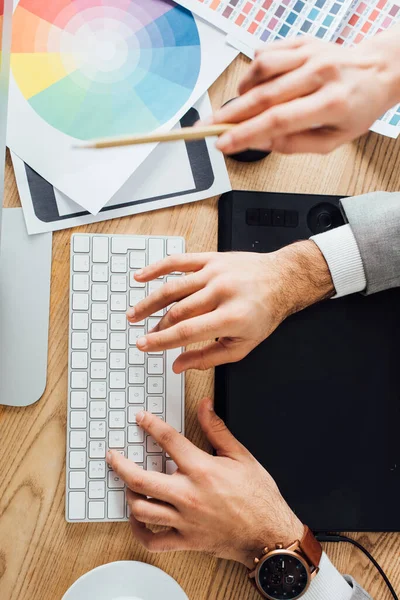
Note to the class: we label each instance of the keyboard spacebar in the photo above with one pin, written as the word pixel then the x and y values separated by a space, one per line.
pixel 174 398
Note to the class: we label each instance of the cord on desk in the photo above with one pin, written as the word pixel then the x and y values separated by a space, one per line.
pixel 336 537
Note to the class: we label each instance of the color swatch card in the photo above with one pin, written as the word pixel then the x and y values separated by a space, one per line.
pixel 83 69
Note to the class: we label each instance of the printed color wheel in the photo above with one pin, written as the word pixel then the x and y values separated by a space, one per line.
pixel 94 68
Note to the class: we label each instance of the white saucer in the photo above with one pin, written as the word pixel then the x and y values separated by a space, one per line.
pixel 125 580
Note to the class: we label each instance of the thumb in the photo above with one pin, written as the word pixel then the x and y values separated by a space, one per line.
pixel 216 431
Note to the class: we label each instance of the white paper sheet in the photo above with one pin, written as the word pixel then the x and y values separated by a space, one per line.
pixel 166 171
pixel 93 177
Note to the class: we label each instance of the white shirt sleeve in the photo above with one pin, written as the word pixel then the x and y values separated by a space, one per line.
pixel 343 257
pixel 328 584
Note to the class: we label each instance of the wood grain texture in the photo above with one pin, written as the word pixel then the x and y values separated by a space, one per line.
pixel 40 554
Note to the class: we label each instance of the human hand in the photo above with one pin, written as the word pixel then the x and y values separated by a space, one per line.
pixel 305 95
pixel 227 505
pixel 239 298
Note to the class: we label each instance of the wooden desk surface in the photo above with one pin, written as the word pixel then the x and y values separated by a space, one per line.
pixel 40 554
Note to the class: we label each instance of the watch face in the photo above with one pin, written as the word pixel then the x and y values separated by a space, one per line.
pixel 282 576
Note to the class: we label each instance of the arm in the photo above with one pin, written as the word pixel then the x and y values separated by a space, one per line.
pixel 227 504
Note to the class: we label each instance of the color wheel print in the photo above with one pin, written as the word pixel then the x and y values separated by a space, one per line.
pixel 94 68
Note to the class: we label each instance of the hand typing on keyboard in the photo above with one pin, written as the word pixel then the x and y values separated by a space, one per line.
pixel 227 504
pixel 237 298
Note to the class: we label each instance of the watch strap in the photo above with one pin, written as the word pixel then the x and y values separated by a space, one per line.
pixel 310 547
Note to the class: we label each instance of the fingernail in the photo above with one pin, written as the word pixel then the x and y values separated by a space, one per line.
pixel 224 142
pixel 131 313
pixel 211 405
pixel 138 273
pixel 141 343
pixel 140 416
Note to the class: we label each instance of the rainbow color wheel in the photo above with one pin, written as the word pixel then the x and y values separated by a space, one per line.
pixel 94 68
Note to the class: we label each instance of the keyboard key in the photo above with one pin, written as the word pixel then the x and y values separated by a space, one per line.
pixel 77 480
pixel 155 404
pixel 121 245
pixel 76 505
pixel 78 419
pixel 170 467
pixel 79 360
pixel 116 439
pixel 98 370
pixel 97 430
pixel 132 412
pixel 97 510
pixel 118 283
pixel 135 356
pixel 98 409
pixel 155 366
pixel 136 296
pixel 114 481
pixel 136 453
pixel 173 383
pixel 77 439
pixel 134 334
pixel 133 283
pixel 79 341
pixel 118 322
pixel 154 463
pixel 81 243
pixel 116 505
pixel 100 249
pixel 152 322
pixel 135 436
pixel 116 419
pixel 117 380
pixel 99 292
pixel 99 312
pixel 97 469
pixel 117 360
pixel 77 459
pixel 156 250
pixel 152 446
pixel 118 302
pixel 174 246
pixel 117 400
pixel 80 283
pixel 81 263
pixel 117 341
pixel 98 350
pixel 78 400
pixel 137 260
pixel 136 375
pixel 99 331
pixel 80 301
pixel 98 389
pixel 155 385
pixel 97 449
pixel 97 489
pixel 100 273
pixel 80 321
pixel 79 380
pixel 136 395
pixel 119 264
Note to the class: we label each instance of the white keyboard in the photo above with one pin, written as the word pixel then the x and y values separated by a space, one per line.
pixel 110 380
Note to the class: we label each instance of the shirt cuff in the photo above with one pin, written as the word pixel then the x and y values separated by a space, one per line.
pixel 343 257
pixel 328 584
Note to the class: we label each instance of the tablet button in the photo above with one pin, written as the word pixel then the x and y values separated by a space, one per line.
pixel 278 217
pixel 253 216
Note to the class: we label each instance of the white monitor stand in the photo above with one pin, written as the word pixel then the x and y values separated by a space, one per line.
pixel 25 272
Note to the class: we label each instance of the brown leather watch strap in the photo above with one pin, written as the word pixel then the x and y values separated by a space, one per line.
pixel 311 547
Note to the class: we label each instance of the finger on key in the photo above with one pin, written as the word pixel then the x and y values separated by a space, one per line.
pixel 198 329
pixel 197 304
pixel 147 483
pixel 162 541
pixel 185 454
pixel 184 263
pixel 151 511
pixel 168 293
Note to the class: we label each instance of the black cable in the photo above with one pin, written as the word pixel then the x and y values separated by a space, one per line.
pixel 336 537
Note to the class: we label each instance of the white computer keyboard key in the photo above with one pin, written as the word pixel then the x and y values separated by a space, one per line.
pixel 100 249
pixel 80 321
pixel 137 260
pixel 97 469
pixel 97 409
pixel 97 449
pixel 97 489
pixel 174 246
pixel 79 341
pixel 81 263
pixel 135 436
pixel 116 439
pixel 78 419
pixel 96 510
pixel 118 283
pixel 80 283
pixel 155 404
pixel 136 453
pixel 98 350
pixel 77 439
pixel 135 356
pixel 97 430
pixel 100 273
pixel 133 283
pixel 116 505
pixel 154 463
pixel 152 446
pixel 119 264
pixel 118 302
pixel 98 390
pixel 77 480
pixel 99 331
pixel 136 296
pixel 117 360
pixel 136 375
pixel 121 245
pixel 116 419
pixel 79 380
pixel 77 459
pixel 155 366
pixel 132 412
pixel 134 334
pixel 114 481
pixel 78 400
pixel 136 395
pixel 170 467
pixel 81 243
pixel 80 301
pixel 173 383
pixel 99 312
pixel 156 250
pixel 117 380
pixel 155 385
pixel 118 322
pixel 152 322
pixel 76 505
pixel 117 400
pixel 99 292
pixel 98 370
pixel 118 341
pixel 79 360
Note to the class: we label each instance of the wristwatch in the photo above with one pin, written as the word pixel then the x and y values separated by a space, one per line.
pixel 284 573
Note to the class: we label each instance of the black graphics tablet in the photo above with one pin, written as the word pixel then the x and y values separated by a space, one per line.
pixel 318 403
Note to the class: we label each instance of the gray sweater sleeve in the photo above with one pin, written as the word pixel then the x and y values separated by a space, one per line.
pixel 375 222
